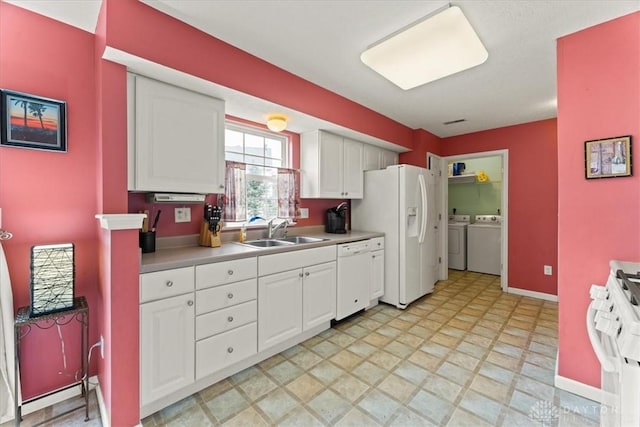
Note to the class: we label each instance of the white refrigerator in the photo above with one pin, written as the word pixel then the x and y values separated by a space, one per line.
pixel 399 202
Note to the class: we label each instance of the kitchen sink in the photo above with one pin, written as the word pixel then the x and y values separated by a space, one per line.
pixel 267 243
pixel 301 239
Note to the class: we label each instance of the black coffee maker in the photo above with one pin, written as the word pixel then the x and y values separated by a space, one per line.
pixel 336 219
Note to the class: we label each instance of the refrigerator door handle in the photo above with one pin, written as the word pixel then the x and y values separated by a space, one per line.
pixel 423 197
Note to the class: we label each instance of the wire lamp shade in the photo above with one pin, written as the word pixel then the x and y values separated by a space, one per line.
pixel 52 278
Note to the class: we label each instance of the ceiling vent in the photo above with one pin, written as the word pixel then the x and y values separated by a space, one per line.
pixel 450 122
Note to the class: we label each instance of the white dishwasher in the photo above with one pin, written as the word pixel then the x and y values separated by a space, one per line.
pixel 354 264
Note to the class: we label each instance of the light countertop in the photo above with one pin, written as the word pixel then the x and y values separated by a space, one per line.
pixel 185 256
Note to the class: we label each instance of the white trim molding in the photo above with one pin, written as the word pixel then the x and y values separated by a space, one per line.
pixel 532 294
pixel 121 221
pixel 102 407
pixel 587 391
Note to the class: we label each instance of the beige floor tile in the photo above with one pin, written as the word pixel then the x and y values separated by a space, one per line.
pixel 349 387
pixel 398 388
pixel 305 387
pixel 346 360
pixel 248 417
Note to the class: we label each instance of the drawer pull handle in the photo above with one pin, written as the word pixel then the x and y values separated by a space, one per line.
pixel 379 244
pixel 230 350
pixel 190 303
pixel 301 275
pixel 230 272
pixel 230 318
pixel 169 283
pixel 306 274
pixel 230 295
pixel 373 256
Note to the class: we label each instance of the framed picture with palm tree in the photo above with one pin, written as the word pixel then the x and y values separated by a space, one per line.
pixel 30 121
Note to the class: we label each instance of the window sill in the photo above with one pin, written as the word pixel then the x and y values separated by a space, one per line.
pixel 231 226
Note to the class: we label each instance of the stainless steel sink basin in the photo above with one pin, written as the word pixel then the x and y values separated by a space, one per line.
pixel 301 239
pixel 267 243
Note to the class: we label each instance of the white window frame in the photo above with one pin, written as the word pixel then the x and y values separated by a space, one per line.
pixel 286 156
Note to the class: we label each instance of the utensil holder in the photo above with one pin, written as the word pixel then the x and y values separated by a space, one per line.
pixel 147 241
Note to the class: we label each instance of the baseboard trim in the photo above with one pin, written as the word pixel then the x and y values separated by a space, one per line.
pixel 102 407
pixel 58 397
pixel 532 294
pixel 572 386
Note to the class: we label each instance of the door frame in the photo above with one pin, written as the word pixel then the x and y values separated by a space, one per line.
pixel 504 207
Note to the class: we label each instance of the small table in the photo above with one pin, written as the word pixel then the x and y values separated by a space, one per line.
pixel 80 313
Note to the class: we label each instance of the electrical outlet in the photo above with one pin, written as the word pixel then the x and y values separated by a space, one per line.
pixel 304 213
pixel 183 214
pixel 101 346
pixel 548 270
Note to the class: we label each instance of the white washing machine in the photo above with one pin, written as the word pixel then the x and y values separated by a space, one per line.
pixel 484 244
pixel 458 241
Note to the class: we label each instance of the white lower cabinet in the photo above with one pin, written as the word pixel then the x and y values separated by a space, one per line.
pixel 376 288
pixel 279 307
pixel 318 295
pixel 225 349
pixel 166 346
pixel 226 314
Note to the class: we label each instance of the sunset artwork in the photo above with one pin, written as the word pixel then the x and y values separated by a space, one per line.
pixel 32 122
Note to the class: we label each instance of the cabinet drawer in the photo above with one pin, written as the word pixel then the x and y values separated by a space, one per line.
pixel 377 243
pixel 276 263
pixel 222 350
pixel 166 283
pixel 225 296
pixel 226 319
pixel 221 273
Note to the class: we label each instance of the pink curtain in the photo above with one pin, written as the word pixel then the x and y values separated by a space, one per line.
pixel 288 193
pixel 235 206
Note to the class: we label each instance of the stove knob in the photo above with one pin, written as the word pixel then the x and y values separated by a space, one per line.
pixel 612 328
pixel 602 304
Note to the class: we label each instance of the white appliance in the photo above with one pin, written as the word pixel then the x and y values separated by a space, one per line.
pixel 613 325
pixel 484 244
pixel 458 241
pixel 398 201
pixel 353 286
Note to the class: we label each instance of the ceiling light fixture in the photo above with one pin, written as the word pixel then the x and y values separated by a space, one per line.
pixel 438 46
pixel 277 123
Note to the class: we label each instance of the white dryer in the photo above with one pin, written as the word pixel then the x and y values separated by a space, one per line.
pixel 484 244
pixel 458 241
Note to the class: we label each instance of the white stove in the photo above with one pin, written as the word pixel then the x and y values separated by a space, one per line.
pixel 613 324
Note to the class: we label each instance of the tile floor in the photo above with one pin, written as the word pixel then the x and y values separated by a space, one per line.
pixel 466 355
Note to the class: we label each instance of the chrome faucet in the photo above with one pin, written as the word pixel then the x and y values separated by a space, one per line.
pixel 273 228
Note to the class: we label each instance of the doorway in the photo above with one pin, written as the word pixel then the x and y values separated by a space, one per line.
pixel 500 175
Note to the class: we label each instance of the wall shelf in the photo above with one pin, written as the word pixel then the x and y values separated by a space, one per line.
pixel 466 178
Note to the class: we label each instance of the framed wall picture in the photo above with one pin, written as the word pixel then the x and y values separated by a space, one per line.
pixel 608 158
pixel 29 121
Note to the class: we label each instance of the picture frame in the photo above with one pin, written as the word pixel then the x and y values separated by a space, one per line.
pixel 608 158
pixel 30 121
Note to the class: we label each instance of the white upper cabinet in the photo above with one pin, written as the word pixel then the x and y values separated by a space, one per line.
pixel 332 166
pixel 378 158
pixel 176 138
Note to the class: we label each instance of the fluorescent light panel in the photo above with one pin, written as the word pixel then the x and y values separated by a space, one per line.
pixel 439 46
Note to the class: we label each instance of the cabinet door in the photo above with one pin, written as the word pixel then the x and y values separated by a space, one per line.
pixel 166 346
pixel 179 139
pixel 372 157
pixel 331 166
pixel 388 158
pixel 318 295
pixel 376 289
pixel 279 307
pixel 353 171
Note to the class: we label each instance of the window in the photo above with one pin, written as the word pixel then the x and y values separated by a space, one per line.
pixel 263 153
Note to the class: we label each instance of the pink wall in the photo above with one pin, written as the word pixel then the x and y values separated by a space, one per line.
pixel 423 143
pixel 50 197
pixel 533 196
pixel 598 97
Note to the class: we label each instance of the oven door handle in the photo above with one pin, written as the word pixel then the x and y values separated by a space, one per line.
pixel 607 362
